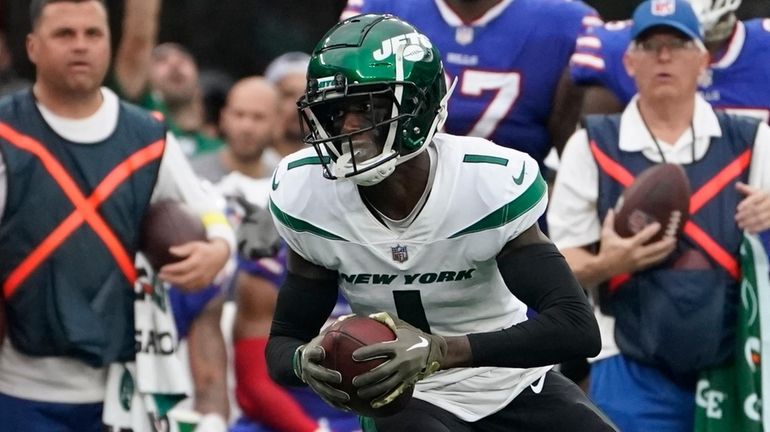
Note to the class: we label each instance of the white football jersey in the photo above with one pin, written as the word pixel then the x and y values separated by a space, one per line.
pixel 441 271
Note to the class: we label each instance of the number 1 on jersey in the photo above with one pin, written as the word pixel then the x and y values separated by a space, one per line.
pixel 410 309
pixel 506 85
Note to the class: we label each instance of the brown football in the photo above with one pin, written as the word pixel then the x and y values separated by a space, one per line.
pixel 660 194
pixel 168 223
pixel 339 342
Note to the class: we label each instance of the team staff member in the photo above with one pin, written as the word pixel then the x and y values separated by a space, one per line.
pixel 672 303
pixel 79 168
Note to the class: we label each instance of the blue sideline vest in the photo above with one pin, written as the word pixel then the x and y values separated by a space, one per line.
pixel 77 302
pixel 678 319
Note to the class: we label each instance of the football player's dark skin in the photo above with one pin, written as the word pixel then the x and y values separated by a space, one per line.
pixel 470 10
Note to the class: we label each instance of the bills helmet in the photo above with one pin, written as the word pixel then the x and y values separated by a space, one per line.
pixel 383 69
pixel 716 16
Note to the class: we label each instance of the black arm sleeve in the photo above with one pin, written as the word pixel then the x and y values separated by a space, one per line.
pixel 302 308
pixel 564 327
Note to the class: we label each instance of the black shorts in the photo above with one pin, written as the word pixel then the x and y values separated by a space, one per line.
pixel 560 406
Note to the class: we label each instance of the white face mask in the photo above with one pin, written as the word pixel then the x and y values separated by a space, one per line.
pixel 709 13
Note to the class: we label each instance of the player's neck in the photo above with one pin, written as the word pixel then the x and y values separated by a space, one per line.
pixel 667 121
pixel 68 104
pixel 471 10
pixel 397 195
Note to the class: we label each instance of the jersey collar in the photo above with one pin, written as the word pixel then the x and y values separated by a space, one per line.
pixel 634 137
pixel 734 47
pixel 454 20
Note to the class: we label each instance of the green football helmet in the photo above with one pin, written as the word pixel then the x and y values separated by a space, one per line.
pixel 383 69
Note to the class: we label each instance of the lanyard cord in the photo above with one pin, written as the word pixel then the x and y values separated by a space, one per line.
pixel 657 145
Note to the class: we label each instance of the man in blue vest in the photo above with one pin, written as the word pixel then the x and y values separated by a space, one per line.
pixel 78 169
pixel 645 376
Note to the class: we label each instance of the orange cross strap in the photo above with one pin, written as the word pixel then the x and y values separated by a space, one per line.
pixel 85 208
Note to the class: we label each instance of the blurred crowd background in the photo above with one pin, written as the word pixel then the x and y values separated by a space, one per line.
pixel 240 37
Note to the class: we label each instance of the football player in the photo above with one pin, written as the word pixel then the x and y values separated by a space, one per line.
pixel 510 60
pixel 735 80
pixel 434 235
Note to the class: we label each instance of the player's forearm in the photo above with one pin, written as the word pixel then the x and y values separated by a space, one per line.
pixel 458 352
pixel 561 333
pixel 279 354
pixel 302 307
pixel 564 327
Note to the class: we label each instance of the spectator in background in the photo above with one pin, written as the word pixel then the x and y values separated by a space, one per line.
pixel 672 303
pixel 288 73
pixel 197 315
pixel 250 123
pixel 176 93
pixel 69 232
pixel 161 78
pixel 215 84
pixel 9 81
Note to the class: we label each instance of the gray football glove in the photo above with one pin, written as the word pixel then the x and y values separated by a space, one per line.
pixel 412 356
pixel 307 367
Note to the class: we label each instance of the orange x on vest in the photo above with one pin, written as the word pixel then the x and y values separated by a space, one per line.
pixel 697 200
pixel 85 208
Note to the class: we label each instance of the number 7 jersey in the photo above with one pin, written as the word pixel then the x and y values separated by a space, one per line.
pixel 439 274
pixel 507 62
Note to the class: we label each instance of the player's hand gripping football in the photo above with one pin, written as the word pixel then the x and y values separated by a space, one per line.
pixel 307 367
pixel 413 356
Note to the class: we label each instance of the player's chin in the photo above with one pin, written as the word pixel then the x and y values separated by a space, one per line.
pixel 83 84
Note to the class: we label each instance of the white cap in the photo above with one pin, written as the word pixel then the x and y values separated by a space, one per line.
pixel 289 63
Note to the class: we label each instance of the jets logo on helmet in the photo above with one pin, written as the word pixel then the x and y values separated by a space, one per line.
pixel 380 68
pixel 390 46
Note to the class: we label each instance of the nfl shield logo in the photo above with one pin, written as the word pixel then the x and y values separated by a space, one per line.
pixel 399 253
pixel 663 7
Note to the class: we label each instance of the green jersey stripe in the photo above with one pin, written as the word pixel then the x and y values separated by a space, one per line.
pixel 299 225
pixel 511 211
pixel 312 160
pixel 475 158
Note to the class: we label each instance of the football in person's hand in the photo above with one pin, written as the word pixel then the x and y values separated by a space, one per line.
pixel 340 340
pixel 168 223
pixel 660 194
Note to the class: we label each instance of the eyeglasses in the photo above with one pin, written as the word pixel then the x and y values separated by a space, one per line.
pixel 653 46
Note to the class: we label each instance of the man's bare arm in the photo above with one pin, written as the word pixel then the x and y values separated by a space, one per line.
pixel 139 36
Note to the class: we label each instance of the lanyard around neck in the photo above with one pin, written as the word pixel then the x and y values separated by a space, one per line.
pixel 657 144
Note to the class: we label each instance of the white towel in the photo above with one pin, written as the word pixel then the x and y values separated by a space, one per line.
pixel 140 393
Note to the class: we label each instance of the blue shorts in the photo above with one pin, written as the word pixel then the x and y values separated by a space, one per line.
pixel 640 398
pixel 33 416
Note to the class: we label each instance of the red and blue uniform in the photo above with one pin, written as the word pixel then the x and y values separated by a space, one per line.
pixel 507 62
pixel 736 81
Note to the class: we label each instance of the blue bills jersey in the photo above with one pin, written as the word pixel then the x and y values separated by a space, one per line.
pixel 507 62
pixel 736 81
